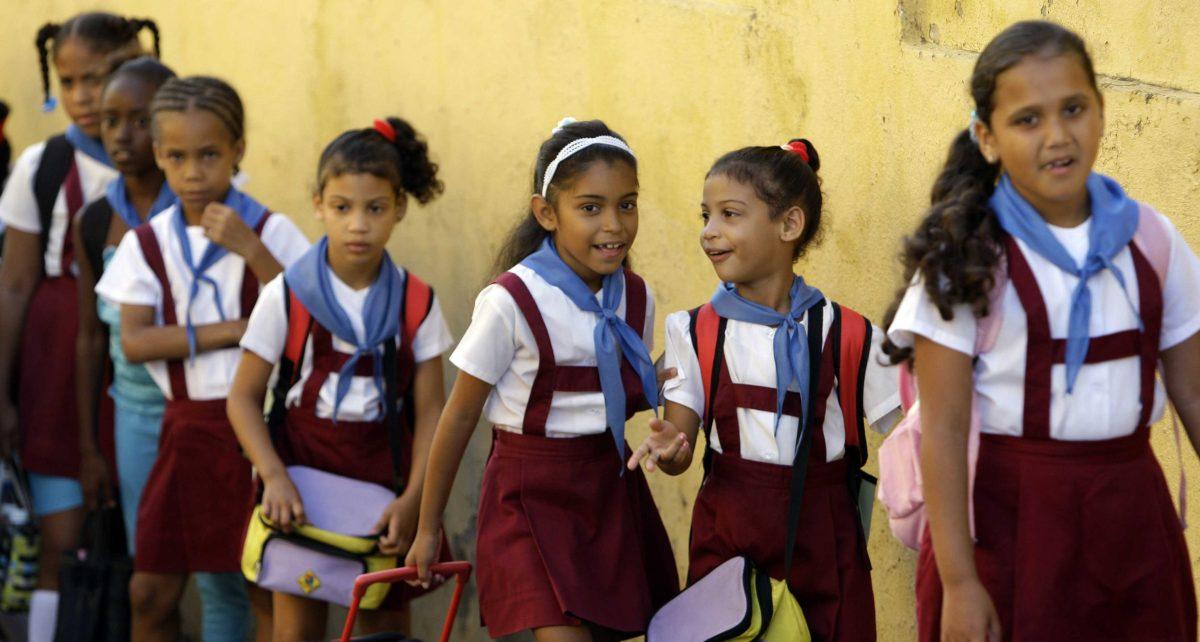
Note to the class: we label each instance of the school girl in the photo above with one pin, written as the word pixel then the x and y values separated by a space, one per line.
pixel 328 316
pixel 1075 536
pixel 568 546
pixel 186 281
pixel 50 183
pixel 766 352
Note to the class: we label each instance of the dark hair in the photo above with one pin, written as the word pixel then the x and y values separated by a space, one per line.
pixel 105 33
pixel 203 93
pixel 782 178
pixel 958 245
pixel 527 235
pixel 147 69
pixel 404 163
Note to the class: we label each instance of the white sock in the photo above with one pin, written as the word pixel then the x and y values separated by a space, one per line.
pixel 43 615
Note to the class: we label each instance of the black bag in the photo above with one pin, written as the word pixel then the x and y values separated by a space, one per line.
pixel 93 594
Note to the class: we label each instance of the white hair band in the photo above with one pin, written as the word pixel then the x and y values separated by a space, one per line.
pixel 576 146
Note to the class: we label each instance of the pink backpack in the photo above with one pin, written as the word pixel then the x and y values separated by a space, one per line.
pixel 900 488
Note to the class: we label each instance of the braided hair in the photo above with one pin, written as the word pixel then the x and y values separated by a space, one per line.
pixel 202 93
pixel 105 33
pixel 403 162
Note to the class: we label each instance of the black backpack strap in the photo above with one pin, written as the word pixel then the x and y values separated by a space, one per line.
pixel 286 377
pixel 804 448
pixel 391 415
pixel 94 224
pixel 57 158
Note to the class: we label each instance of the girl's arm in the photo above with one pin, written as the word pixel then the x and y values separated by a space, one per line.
pixel 399 523
pixel 281 502
pixel 945 381
pixel 91 355
pixel 453 432
pixel 144 340
pixel 1181 375
pixel 20 272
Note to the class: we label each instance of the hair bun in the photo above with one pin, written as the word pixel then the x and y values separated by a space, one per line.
pixel 569 120
pixel 804 148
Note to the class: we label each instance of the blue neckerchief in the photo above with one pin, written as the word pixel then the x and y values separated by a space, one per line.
pixel 791 339
pixel 613 337
pixel 86 144
pixel 118 198
pixel 1114 221
pixel 251 212
pixel 308 278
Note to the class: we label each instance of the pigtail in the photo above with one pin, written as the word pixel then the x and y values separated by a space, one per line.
pixel 418 174
pixel 138 24
pixel 49 32
pixel 956 248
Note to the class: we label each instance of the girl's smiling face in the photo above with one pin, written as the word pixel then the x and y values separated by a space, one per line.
pixel 1045 131
pixel 593 219
pixel 741 238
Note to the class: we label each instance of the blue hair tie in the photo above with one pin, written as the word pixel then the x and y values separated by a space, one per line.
pixel 49 104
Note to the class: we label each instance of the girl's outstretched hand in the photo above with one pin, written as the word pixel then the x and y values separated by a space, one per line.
pixel 665 445
pixel 968 614
pixel 422 554
pixel 281 502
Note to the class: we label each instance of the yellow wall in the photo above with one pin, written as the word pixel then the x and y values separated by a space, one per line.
pixel 879 85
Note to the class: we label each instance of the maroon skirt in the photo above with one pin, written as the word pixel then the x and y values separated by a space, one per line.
pixel 565 538
pixel 199 495
pixel 47 409
pixel 1074 541
pixel 357 450
pixel 742 510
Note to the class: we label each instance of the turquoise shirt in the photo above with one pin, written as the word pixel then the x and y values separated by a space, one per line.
pixel 132 386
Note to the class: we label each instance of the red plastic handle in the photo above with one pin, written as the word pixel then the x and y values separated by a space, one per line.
pixel 460 570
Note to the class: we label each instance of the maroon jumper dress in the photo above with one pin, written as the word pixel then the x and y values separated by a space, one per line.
pixel 742 509
pixel 199 495
pixel 564 537
pixel 1076 540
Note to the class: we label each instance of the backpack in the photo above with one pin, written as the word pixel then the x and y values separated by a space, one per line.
pixel 900 487
pixel 58 158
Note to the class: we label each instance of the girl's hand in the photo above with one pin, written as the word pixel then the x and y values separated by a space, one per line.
pixel 94 481
pixel 397 524
pixel 423 553
pixel 968 614
pixel 665 444
pixel 281 502
pixel 223 226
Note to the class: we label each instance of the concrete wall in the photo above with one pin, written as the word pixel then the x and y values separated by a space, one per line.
pixel 878 85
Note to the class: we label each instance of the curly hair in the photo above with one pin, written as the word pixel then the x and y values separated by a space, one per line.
pixel 404 163
pixel 958 245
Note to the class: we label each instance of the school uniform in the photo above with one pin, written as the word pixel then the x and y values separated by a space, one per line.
pixel 198 496
pixel 1076 535
pixel 742 506
pixel 46 378
pixel 564 536
pixel 357 445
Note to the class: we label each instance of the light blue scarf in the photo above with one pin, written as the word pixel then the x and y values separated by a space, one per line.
pixel 86 144
pixel 118 198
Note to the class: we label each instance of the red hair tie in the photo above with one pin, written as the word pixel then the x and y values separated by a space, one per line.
pixel 799 148
pixel 385 128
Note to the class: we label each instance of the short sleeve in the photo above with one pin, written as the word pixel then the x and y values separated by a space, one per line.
pixel 128 279
pixel 433 337
pixel 267 330
pixel 284 240
pixel 881 389
pixel 18 205
pixel 1181 292
pixel 917 315
pixel 686 388
pixel 489 345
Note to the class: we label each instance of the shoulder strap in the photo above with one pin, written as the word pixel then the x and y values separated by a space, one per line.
pixel 853 345
pixel 800 462
pixel 299 325
pixel 708 340
pixel 391 415
pixel 57 159
pixel 987 328
pixel 1154 240
pixel 635 301
pixel 93 227
pixel 418 302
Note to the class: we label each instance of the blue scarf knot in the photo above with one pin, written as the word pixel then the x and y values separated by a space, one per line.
pixel 309 279
pixel 613 337
pixel 790 345
pixel 251 213
pixel 1114 222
